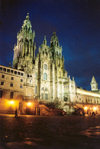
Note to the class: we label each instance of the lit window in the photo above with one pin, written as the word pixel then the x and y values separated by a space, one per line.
pixel 45 76
pixel 45 66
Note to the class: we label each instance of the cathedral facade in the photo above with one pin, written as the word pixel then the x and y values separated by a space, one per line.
pixel 48 76
pixel 42 76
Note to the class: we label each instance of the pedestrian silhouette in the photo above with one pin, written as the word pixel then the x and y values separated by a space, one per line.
pixel 16 113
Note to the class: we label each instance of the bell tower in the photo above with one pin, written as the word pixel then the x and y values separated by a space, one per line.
pixel 54 44
pixel 24 51
pixel 94 84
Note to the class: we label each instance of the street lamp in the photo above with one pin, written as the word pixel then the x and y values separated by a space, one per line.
pixel 85 108
pixel 94 108
pixel 29 104
pixel 11 102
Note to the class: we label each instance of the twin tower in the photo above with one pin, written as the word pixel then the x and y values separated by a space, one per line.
pixel 24 51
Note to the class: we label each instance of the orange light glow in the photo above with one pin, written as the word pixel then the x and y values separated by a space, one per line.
pixel 94 108
pixel 11 102
pixel 85 108
pixel 29 104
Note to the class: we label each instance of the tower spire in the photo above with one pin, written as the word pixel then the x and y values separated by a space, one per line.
pixel 54 40
pixel 94 84
pixel 27 17
pixel 24 51
pixel 45 40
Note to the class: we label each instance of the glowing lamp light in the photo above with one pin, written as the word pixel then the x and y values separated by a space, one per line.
pixel 85 108
pixel 29 104
pixel 94 108
pixel 11 102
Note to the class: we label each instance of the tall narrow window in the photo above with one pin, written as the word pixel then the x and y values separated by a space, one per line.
pixel 3 76
pixel 45 76
pixel 12 78
pixel 1 93
pixel 21 80
pixel 11 84
pixel 2 83
pixel 45 66
pixel 11 95
pixel 46 96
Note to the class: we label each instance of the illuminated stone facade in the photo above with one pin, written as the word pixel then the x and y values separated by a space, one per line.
pixel 42 76
pixel 14 84
pixel 47 68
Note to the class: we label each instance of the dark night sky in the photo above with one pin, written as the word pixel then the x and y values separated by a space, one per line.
pixel 77 23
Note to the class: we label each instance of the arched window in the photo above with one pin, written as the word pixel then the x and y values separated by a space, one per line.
pixel 45 66
pixel 46 96
pixel 45 76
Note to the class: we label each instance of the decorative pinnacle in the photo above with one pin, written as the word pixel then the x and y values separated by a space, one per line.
pixel 54 33
pixel 44 37
pixel 93 79
pixel 45 41
pixel 27 17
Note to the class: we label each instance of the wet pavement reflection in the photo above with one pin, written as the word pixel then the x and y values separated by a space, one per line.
pixel 92 131
pixel 61 132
